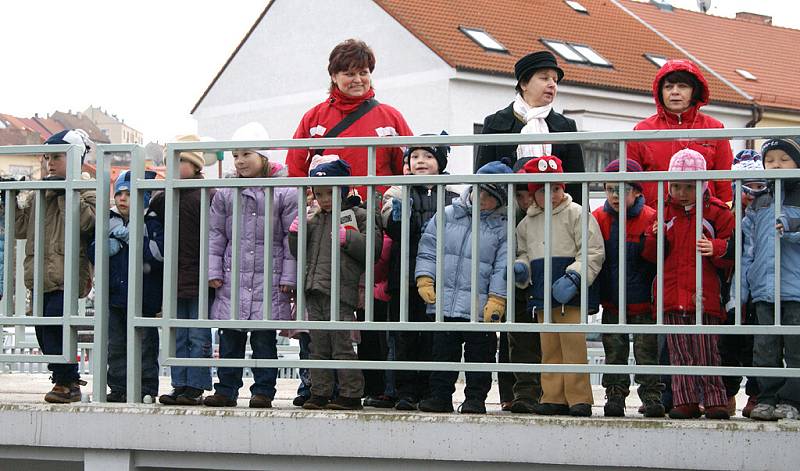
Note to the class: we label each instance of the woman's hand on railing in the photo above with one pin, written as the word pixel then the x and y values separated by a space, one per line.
pixel 216 284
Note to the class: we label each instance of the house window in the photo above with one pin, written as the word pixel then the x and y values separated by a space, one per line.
pixel 747 75
pixel 21 170
pixel 577 53
pixel 577 6
pixel 596 155
pixel 659 61
pixel 484 39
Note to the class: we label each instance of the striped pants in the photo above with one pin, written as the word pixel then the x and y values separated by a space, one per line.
pixel 694 350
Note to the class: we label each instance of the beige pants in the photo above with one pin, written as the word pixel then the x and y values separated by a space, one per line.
pixel 567 348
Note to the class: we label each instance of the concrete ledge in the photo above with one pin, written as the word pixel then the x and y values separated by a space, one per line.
pixel 345 437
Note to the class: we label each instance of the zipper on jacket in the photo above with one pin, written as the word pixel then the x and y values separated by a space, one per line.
pixel 458 267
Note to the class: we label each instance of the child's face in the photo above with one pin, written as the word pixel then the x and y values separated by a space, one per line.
pixel 56 164
pixel 324 196
pixel 778 159
pixel 683 192
pixel 612 195
pixel 423 163
pixel 524 199
pixel 487 201
pixel 187 169
pixel 556 195
pixel 758 187
pixel 248 163
pixel 122 200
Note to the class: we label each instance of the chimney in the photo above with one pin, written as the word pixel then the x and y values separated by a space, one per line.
pixel 662 5
pixel 754 18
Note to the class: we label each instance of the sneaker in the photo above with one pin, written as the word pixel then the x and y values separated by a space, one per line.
pixel 190 397
pixel 406 403
pixel 219 400
pixel 581 410
pixel 615 406
pixel 652 408
pixel 685 411
pixel 717 413
pixel 435 404
pixel 260 401
pixel 65 393
pixel 171 399
pixel 345 403
pixel 472 406
pixel 316 402
pixel 763 412
pixel 116 396
pixel 748 408
pixel 380 402
pixel 786 411
pixel 546 408
pixel 731 407
pixel 299 400
pixel 523 405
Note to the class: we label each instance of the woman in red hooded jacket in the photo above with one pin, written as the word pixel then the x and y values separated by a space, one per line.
pixel 680 90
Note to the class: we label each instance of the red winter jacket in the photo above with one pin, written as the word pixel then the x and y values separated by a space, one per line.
pixel 679 255
pixel 383 120
pixel 655 155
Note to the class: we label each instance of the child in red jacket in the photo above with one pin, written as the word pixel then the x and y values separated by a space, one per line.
pixel 680 247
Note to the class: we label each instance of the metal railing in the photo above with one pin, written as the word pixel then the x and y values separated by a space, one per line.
pixel 172 184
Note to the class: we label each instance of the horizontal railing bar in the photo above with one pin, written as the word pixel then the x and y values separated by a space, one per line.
pixel 470 327
pixel 486 367
pixel 29 358
pixel 48 185
pixel 75 321
pixel 489 139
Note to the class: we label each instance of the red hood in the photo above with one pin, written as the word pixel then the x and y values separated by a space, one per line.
pixel 675 65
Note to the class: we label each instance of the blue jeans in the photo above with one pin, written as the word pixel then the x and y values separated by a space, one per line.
pixel 50 337
pixel 232 344
pixel 191 343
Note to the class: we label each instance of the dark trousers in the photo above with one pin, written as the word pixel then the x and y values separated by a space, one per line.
pixel 645 352
pixel 50 337
pixel 777 351
pixel 305 377
pixel 412 346
pixel 525 347
pixel 118 353
pixel 505 381
pixel 232 344
pixel 478 347
pixel 737 350
pixel 373 347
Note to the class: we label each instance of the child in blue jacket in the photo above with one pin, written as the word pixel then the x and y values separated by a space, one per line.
pixel 779 398
pixel 152 276
pixel 479 347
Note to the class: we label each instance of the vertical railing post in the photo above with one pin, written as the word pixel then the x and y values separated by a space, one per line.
pixel 369 274
pixel 135 258
pixel 101 312
pixel 72 245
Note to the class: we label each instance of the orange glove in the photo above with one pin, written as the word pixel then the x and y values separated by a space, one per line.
pixel 426 289
pixel 495 309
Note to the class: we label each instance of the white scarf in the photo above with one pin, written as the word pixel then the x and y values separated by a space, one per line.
pixel 534 124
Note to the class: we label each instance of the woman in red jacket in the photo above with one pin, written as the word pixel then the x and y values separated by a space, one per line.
pixel 350 67
pixel 679 90
pixel 680 248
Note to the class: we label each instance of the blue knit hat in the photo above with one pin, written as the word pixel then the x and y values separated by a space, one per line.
pixel 497 190
pixel 76 137
pixel 334 168
pixel 123 183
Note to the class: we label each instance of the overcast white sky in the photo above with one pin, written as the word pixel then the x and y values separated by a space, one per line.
pixel 148 61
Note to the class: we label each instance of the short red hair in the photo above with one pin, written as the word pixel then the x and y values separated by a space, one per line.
pixel 351 54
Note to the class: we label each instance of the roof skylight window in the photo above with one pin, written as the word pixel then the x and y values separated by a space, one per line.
pixel 747 75
pixel 577 53
pixel 484 39
pixel 659 61
pixel 577 6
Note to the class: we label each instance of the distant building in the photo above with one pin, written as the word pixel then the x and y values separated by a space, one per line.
pixel 115 128
pixel 14 133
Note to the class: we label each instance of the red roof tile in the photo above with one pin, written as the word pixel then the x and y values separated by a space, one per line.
pixel 521 24
pixel 726 44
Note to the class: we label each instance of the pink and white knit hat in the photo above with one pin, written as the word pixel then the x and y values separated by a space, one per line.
pixel 688 160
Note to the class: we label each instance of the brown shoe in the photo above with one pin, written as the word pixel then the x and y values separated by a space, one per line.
pixel 260 401
pixel 506 406
pixel 219 400
pixel 731 407
pixel 345 403
pixel 748 408
pixel 65 393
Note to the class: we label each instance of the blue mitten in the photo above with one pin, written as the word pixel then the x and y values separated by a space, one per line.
pixel 114 246
pixel 119 232
pixel 397 208
pixel 520 272
pixel 566 287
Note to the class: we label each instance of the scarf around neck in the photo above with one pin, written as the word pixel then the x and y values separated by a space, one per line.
pixel 346 103
pixel 534 124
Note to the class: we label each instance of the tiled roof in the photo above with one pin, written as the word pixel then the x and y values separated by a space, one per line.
pixel 80 121
pixel 520 25
pixel 46 127
pixel 725 44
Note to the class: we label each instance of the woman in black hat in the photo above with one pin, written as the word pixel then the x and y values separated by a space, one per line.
pixel 532 111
